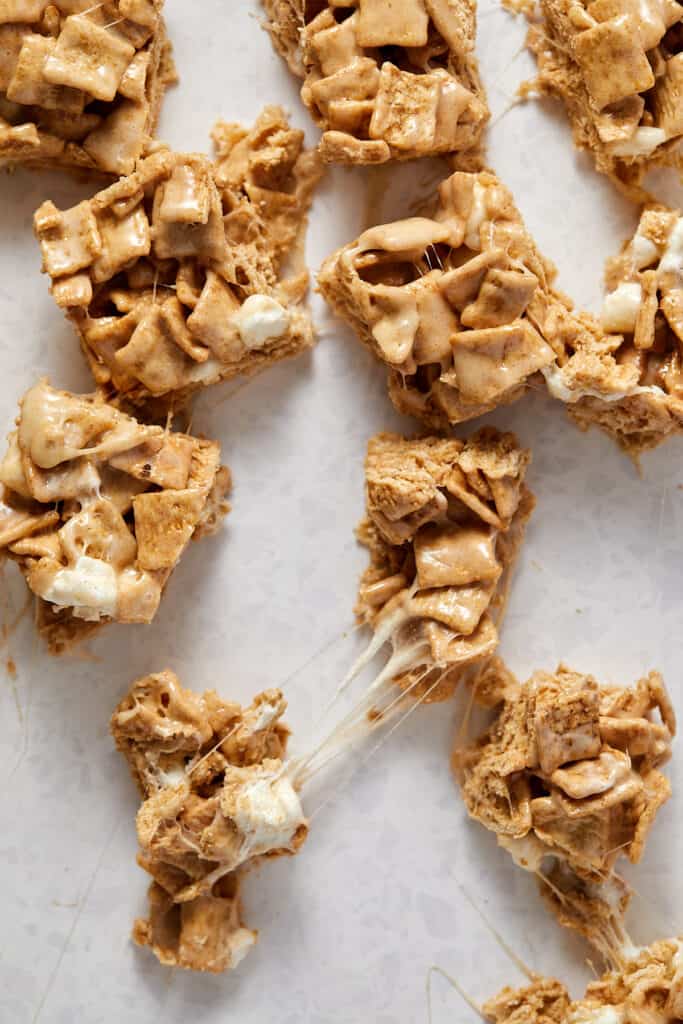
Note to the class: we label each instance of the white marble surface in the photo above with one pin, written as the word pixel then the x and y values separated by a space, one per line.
pixel 349 929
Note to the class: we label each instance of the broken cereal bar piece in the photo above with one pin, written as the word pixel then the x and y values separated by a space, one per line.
pixel 97 509
pixel 460 306
pixel 625 376
pixel 444 523
pixel 618 68
pixel 173 276
pixel 568 778
pixel 216 796
pixel 81 84
pixel 385 81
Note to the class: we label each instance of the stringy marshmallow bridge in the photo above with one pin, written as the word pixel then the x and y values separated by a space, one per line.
pixel 462 309
pixel 171 276
pixel 81 83
pixel 97 509
pixel 385 81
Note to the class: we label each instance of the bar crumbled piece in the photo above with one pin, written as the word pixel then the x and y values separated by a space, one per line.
pixel 97 509
pixel 568 778
pixel 385 81
pixel 625 374
pixel 460 306
pixel 618 68
pixel 81 84
pixel 444 523
pixel 172 276
pixel 216 797
pixel 646 986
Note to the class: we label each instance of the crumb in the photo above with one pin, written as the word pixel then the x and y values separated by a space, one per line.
pixel 11 668
pixel 174 277
pixel 444 523
pixel 82 89
pixel 385 82
pixel 216 798
pixel 95 537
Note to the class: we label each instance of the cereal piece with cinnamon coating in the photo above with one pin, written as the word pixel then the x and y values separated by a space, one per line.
pixel 81 84
pixel 444 523
pixel 618 68
pixel 216 796
pixel 385 82
pixel 97 509
pixel 175 276
pixel 460 306
pixel 568 778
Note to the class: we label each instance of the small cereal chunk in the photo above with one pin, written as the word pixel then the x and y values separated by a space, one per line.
pixel 568 779
pixel 604 59
pixel 385 81
pixel 445 520
pixel 84 487
pixel 173 276
pixel 82 83
pixel 216 795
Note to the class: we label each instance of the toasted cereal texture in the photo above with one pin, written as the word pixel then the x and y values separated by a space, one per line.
pixel 81 84
pixel 459 306
pixel 618 68
pixel 176 276
pixel 385 81
pixel 567 777
pixel 215 798
pixel 97 509
pixel 647 986
pixel 444 523
pixel 625 377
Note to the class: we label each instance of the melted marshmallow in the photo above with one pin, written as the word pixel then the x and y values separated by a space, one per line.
pixel 643 142
pixel 558 389
pixel 260 319
pixel 620 308
pixel 268 814
pixel 90 588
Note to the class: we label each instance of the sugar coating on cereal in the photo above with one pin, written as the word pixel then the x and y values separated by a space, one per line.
pixel 457 305
pixel 647 986
pixel 444 523
pixel 216 797
pixel 177 276
pixel 97 509
pixel 568 778
pixel 81 83
pixel 618 67
pixel 385 81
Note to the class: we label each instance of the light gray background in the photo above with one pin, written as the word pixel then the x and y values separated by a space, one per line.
pixel 349 928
